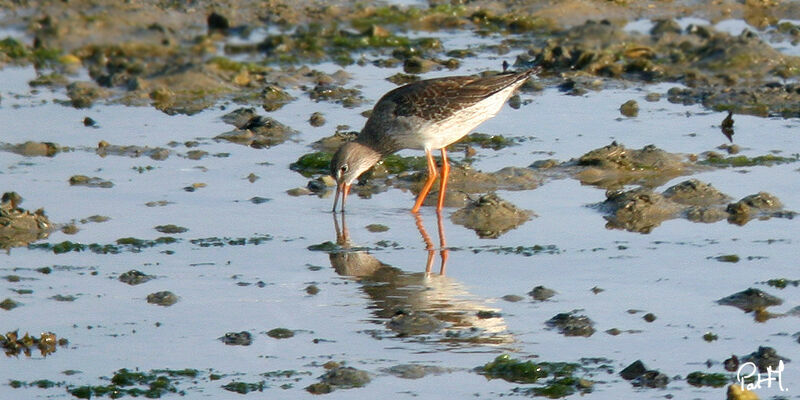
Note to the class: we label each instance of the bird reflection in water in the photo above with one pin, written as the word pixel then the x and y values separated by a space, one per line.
pixel 421 306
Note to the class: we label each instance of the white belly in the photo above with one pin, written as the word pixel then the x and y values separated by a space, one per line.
pixel 438 134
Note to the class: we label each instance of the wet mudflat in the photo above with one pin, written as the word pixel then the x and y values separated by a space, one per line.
pixel 184 248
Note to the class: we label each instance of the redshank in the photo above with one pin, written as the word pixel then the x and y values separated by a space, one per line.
pixel 425 115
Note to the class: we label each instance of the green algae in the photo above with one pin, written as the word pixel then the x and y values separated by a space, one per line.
pixel 244 387
pixel 313 163
pixel 441 16
pixel 526 251
pixel 513 370
pixel 486 141
pixel 327 247
pixel 317 42
pixel 744 161
pixel 512 22
pixel 782 283
pixel 136 245
pixel 226 241
pixel 395 164
pixel 561 381
pixel 124 382
pixel 730 258
pixel 699 379
pixel 8 304
pixel 13 48
pixel 130 244
pixel 280 333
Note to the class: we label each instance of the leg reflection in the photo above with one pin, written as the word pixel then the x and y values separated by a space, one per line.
pixel 444 252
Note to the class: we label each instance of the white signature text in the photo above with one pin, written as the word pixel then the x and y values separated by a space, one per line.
pixel 772 375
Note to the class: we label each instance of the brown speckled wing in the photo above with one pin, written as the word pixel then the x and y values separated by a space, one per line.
pixel 437 99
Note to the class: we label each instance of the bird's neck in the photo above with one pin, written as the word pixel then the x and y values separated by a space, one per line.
pixel 381 144
pixel 368 152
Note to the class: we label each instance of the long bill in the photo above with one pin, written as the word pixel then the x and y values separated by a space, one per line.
pixel 344 189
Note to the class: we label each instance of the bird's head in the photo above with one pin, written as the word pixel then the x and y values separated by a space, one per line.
pixel 349 162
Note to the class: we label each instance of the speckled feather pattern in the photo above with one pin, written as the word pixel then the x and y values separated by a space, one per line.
pixel 434 113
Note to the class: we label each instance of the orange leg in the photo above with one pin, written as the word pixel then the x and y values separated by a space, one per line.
pixel 444 252
pixel 428 243
pixel 443 182
pixel 428 183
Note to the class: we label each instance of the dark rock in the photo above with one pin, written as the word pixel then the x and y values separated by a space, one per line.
pixel 633 371
pixel 134 277
pixel 490 216
pixel 629 108
pixel 19 227
pixel 731 364
pixel 171 229
pixel 763 358
pixel 695 193
pixel 164 298
pixel 217 23
pixel 412 323
pixel 280 333
pixel 569 324
pixel 750 300
pixel 346 377
pixel 541 293
pixel 242 338
pixel 640 376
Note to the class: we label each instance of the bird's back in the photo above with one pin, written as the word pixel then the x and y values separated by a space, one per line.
pixel 436 112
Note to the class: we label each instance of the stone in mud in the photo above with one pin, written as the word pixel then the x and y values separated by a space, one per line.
pixel 217 23
pixel 640 376
pixel 156 153
pixel 706 214
pixel 569 324
pixel 35 149
pixel 83 94
pixel 242 338
pixel 755 206
pixel 490 216
pixel 340 377
pixel 614 166
pixel 273 98
pixel 541 293
pixel 134 277
pixel 171 229
pixel 19 227
pixel 164 298
pixel 695 193
pixel 415 371
pixel 411 323
pixel 665 26
pixel 629 108
pixel 83 180
pixel 652 97
pixel 330 144
pixel 8 304
pixel 638 210
pixel 329 92
pixel 763 358
pixel 616 156
pixel 254 130
pixel 280 333
pixel 750 300
pixel 316 119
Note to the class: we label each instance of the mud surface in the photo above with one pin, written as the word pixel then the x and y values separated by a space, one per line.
pixel 181 153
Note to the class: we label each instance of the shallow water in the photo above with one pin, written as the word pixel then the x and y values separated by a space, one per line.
pixel 670 272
